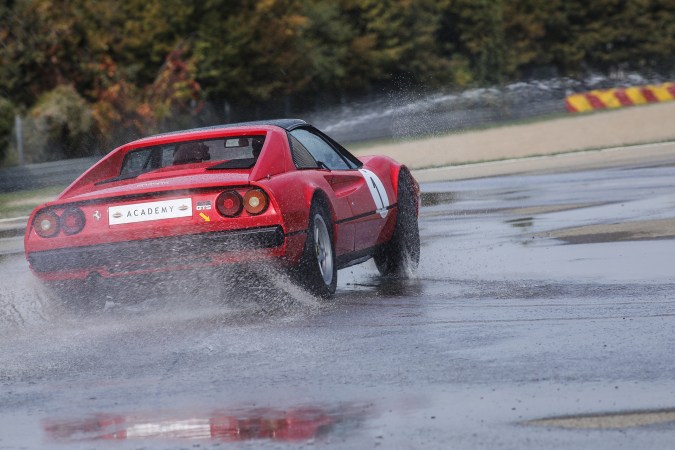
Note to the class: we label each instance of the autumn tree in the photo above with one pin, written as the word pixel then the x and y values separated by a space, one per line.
pixel 60 125
pixel 7 112
pixel 43 46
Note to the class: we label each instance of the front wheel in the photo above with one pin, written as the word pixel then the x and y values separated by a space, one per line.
pixel 401 255
pixel 318 268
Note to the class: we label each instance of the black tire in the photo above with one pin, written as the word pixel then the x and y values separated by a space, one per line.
pixel 317 270
pixel 401 255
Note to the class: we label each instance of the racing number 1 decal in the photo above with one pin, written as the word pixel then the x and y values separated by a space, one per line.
pixel 378 192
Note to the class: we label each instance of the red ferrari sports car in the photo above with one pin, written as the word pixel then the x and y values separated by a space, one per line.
pixel 230 194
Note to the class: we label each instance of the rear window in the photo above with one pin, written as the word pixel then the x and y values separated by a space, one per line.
pixel 236 152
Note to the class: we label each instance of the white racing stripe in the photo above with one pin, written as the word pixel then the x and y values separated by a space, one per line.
pixel 377 190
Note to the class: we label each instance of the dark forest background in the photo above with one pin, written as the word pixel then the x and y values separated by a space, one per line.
pixel 89 74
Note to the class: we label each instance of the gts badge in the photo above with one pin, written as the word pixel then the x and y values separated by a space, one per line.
pixel 204 206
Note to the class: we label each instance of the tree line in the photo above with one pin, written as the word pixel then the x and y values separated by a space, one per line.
pixel 90 74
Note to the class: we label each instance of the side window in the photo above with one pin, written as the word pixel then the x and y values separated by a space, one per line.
pixel 320 150
pixel 301 157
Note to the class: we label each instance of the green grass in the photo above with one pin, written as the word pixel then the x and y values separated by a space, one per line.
pixel 21 203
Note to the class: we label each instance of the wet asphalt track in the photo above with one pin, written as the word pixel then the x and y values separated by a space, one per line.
pixel 537 297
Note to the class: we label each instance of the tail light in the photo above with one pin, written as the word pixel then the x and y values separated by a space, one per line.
pixel 255 201
pixel 46 224
pixel 229 203
pixel 72 221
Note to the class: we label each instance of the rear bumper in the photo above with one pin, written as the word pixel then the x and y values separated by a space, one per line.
pixel 158 253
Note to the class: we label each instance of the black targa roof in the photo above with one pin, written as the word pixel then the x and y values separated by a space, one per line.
pixel 286 124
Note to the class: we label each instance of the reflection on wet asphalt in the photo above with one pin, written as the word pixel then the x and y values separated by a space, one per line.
pixel 296 425
pixel 505 326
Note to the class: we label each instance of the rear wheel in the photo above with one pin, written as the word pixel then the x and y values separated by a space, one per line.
pixel 318 268
pixel 401 255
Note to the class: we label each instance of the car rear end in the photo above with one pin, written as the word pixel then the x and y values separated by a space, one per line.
pixel 170 229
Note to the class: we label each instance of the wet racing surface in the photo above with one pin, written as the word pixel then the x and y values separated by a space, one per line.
pixel 543 307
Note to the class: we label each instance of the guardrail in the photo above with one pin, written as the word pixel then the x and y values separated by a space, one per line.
pixel 33 176
pixel 406 124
